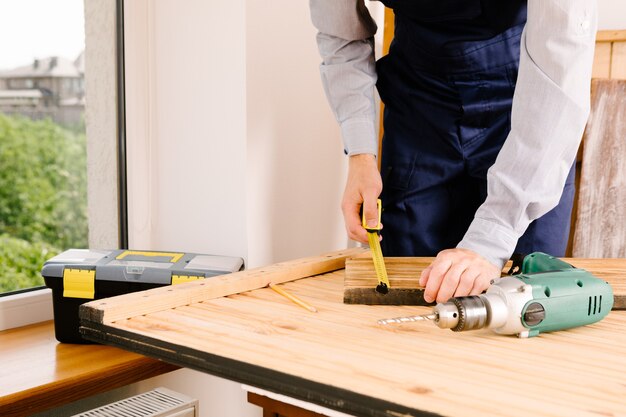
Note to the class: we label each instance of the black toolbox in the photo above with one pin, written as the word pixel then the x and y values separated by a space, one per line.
pixel 77 276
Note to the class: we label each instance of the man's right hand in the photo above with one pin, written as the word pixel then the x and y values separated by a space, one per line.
pixel 363 187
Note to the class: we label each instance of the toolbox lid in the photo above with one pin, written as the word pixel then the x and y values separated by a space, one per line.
pixel 144 266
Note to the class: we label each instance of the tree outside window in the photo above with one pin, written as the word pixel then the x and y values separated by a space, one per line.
pixel 43 184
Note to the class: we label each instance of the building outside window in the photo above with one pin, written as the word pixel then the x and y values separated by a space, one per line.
pixel 43 179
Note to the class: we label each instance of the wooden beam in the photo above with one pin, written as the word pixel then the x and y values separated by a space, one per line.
pixel 275 408
pixel 602 60
pixel 611 36
pixel 618 61
pixel 601 217
pixel 128 305
pixel 403 278
pixel 388 29
pixel 360 280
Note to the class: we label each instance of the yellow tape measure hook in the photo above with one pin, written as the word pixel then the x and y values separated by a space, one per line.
pixel 377 253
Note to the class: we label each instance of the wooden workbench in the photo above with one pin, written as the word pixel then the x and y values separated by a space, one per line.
pixel 340 358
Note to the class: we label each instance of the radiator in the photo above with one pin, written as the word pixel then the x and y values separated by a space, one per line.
pixel 160 402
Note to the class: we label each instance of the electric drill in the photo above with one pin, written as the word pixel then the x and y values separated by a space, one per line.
pixel 547 295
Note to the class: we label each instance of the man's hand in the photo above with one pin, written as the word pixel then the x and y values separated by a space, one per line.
pixel 362 188
pixel 456 273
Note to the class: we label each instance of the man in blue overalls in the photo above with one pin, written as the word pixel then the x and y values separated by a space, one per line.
pixel 477 160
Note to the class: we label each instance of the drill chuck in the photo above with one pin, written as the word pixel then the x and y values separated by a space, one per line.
pixel 463 313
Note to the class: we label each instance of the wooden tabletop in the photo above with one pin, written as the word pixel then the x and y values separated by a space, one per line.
pixel 39 373
pixel 341 359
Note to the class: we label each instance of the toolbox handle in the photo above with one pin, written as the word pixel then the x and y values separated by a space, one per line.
pixel 174 257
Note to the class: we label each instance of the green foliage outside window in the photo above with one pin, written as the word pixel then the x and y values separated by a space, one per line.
pixel 43 196
pixel 21 261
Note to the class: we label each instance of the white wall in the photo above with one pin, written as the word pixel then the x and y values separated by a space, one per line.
pixel 186 99
pixel 295 165
pixel 611 14
pixel 232 148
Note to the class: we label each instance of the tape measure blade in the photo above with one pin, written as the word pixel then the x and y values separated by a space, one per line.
pixel 377 257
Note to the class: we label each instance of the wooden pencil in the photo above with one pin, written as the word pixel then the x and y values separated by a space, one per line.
pixel 293 298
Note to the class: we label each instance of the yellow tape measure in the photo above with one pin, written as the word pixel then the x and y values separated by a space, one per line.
pixel 377 253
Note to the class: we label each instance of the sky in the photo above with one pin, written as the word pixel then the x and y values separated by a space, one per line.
pixel 32 29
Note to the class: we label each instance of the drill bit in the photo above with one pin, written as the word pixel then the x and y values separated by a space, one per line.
pixel 408 319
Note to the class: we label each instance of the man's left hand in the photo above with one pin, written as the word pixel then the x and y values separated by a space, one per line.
pixel 456 273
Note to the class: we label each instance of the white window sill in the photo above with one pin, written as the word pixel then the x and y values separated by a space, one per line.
pixel 25 308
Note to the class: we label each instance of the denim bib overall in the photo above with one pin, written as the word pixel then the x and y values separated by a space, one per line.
pixel 447 84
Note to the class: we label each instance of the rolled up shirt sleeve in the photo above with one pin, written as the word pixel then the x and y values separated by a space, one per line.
pixel 550 109
pixel 346 44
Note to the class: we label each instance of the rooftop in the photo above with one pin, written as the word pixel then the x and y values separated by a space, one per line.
pixel 53 66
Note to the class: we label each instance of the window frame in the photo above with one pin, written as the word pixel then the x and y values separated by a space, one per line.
pixel 32 305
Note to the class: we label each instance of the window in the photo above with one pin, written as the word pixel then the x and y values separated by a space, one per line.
pixel 43 171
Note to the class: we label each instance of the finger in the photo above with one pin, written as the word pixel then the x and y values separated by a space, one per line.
pixel 424 276
pixel 370 207
pixel 438 271
pixel 355 230
pixel 450 282
pixel 466 282
pixel 352 221
pixel 481 283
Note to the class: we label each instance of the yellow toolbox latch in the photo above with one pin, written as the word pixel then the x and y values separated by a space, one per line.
pixel 79 283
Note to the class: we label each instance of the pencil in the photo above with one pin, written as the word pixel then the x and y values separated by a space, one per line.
pixel 293 298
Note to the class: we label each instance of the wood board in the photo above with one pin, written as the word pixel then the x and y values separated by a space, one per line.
pixel 403 276
pixel 360 279
pixel 129 305
pixel 341 359
pixel 600 227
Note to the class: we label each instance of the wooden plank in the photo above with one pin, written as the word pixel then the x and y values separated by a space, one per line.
pixel 601 218
pixel 618 61
pixel 388 29
pixel 602 60
pixel 403 276
pixel 360 280
pixel 341 359
pixel 274 408
pixel 38 373
pixel 611 35
pixel 129 305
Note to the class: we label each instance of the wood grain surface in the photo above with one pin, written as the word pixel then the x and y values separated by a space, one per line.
pixel 618 61
pixel 38 373
pixel 341 359
pixel 600 230
pixel 403 276
pixel 611 36
pixel 360 279
pixel 602 60
pixel 273 408
pixel 610 55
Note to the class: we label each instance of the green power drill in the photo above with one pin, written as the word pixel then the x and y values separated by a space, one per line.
pixel 547 295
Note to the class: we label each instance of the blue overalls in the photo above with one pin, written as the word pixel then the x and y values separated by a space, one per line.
pixel 447 84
